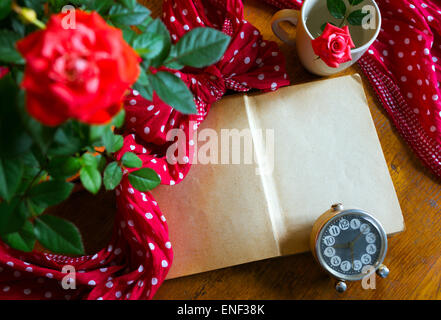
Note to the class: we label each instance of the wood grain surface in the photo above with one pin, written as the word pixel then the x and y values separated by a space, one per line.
pixel 414 256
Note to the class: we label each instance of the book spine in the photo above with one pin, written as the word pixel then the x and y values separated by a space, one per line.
pixel 265 167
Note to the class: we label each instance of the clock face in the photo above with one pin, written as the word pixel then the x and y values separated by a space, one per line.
pixel 349 242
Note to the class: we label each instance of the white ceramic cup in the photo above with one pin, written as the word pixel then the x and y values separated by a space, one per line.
pixel 311 17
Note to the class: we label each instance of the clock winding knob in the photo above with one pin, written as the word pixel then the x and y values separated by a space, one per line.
pixel 383 271
pixel 337 207
pixel 341 286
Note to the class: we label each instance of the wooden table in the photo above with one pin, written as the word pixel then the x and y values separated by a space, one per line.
pixel 414 256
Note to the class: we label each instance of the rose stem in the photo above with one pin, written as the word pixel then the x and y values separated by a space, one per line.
pixel 28 15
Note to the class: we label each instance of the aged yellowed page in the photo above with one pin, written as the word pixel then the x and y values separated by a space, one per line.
pixel 218 215
pixel 326 151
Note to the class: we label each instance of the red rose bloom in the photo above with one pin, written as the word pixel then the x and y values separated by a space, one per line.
pixel 334 45
pixel 3 71
pixel 79 73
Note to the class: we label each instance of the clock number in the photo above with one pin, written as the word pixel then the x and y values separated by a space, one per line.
pixel 335 261
pixel 366 259
pixel 370 238
pixel 344 224
pixel 345 266
pixel 371 248
pixel 355 224
pixel 329 252
pixel 365 228
pixel 334 231
pixel 357 265
pixel 329 240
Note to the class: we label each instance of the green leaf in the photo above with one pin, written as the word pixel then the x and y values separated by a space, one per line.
pixel 50 193
pixel 323 26
pixel 8 53
pixel 118 142
pixel 175 65
pixel 14 140
pixel 5 8
pixel 131 160
pixel 145 92
pixel 64 167
pixel 31 166
pixel 57 5
pixel 18 26
pixel 102 161
pixel 12 216
pixel 144 179
pixel 66 140
pixel 97 132
pixel 173 91
pixel 355 2
pixel 34 210
pixel 112 176
pixel 18 75
pixel 94 161
pixel 58 235
pixel 148 45
pixel 159 28
pixel 36 5
pixel 201 47
pixel 42 135
pixel 337 8
pixel 108 138
pixel 11 172
pixel 356 17
pixel 112 142
pixel 143 25
pixel 100 6
pixel 129 35
pixel 118 120
pixel 23 240
pixel 129 4
pixel 121 15
pixel 171 61
pixel 91 178
pixel 143 85
pixel 89 160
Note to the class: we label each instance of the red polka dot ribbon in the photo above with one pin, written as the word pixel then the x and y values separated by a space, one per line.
pixel 404 69
pixel 137 259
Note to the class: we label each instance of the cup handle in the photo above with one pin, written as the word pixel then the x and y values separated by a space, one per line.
pixel 289 15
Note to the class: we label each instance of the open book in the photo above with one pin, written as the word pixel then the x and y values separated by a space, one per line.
pixel 326 150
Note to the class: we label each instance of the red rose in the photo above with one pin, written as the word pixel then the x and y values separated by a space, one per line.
pixel 79 73
pixel 3 71
pixel 334 45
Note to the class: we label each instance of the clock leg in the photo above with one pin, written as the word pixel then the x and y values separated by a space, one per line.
pixel 341 286
pixel 383 271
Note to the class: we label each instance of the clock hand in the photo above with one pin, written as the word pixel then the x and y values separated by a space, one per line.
pixel 356 238
pixel 352 245
pixel 342 246
pixel 352 255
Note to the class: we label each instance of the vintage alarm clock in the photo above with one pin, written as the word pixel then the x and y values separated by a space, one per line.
pixel 347 243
